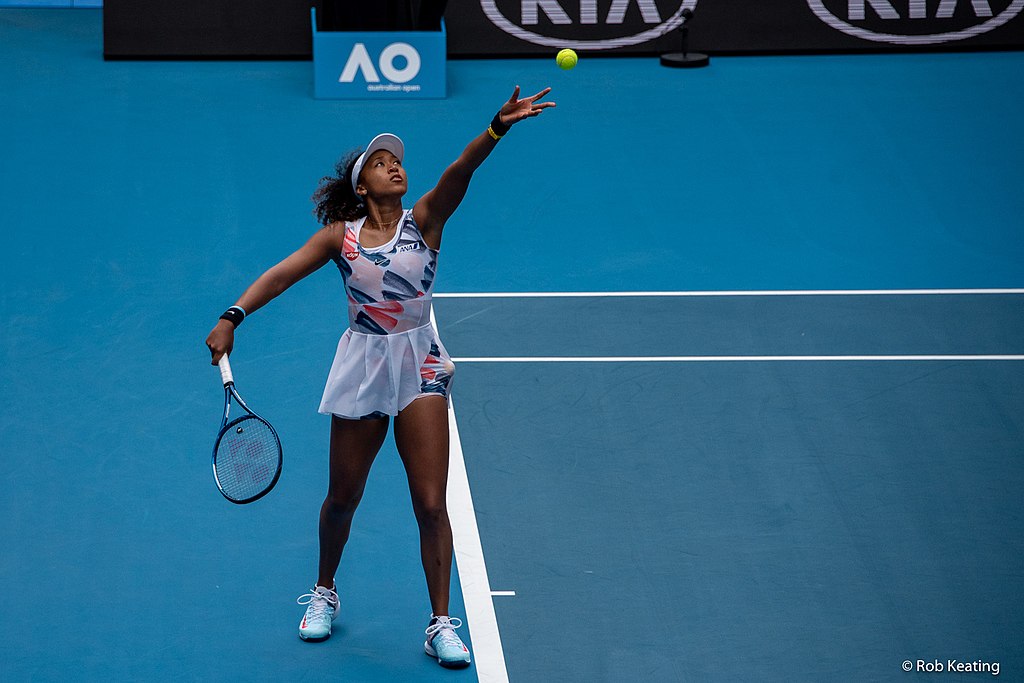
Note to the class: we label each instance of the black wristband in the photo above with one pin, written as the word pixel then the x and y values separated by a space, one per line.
pixel 498 127
pixel 235 315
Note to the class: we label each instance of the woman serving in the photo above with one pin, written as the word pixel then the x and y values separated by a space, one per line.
pixel 390 361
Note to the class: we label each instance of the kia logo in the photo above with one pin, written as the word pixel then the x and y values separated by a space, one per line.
pixel 647 20
pixel 902 19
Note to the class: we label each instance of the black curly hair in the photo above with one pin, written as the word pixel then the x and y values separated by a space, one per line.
pixel 334 198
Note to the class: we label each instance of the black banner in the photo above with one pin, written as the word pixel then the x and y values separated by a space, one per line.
pixel 506 28
pixel 229 29
pixel 644 27
pixel 248 29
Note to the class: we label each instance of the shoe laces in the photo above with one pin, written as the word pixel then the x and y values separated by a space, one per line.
pixel 445 627
pixel 319 600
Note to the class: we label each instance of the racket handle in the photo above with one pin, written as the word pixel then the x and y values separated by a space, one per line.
pixel 225 370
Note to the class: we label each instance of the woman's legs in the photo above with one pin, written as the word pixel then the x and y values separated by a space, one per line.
pixel 354 445
pixel 421 434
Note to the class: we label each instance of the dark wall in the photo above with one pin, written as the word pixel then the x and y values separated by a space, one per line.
pixel 207 28
pixel 270 29
pixel 280 28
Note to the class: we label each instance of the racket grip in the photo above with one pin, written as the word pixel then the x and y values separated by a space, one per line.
pixel 225 370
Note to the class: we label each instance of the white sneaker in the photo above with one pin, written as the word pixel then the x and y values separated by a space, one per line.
pixel 323 609
pixel 443 643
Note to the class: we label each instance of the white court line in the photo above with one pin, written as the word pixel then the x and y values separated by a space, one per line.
pixel 729 359
pixel 795 292
pixel 469 554
pixel 719 359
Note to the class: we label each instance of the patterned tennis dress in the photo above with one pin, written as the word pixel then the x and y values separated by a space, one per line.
pixel 390 355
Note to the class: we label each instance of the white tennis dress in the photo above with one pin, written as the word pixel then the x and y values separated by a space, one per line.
pixel 390 355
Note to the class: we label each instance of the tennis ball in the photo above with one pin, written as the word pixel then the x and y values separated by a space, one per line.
pixel 566 59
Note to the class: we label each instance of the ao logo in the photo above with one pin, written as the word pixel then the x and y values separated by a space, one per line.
pixel 359 61
pixel 585 13
pixel 902 14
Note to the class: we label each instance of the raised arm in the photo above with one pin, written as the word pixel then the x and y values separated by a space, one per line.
pixel 310 257
pixel 434 208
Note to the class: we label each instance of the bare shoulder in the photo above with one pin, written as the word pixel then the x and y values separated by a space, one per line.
pixel 420 211
pixel 429 228
pixel 332 234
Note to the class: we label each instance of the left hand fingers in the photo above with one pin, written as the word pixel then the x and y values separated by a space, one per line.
pixel 536 109
pixel 539 95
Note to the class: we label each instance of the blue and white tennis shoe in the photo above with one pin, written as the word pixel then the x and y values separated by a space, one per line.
pixel 323 605
pixel 444 644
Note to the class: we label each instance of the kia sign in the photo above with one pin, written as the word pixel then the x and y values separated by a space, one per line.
pixel 507 28
pixel 590 29
pixel 911 22
pixel 648 27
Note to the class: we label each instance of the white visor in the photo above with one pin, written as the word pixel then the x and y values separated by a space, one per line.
pixel 387 141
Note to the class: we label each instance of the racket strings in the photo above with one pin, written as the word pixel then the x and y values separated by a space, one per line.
pixel 248 459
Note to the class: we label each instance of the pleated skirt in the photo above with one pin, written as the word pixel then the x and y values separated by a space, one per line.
pixel 374 375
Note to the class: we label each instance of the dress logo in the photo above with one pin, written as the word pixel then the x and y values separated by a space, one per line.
pixel 351 245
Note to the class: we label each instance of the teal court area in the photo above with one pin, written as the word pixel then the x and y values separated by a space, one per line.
pixel 793 453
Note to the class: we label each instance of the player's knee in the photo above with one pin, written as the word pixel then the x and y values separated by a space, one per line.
pixel 432 515
pixel 340 505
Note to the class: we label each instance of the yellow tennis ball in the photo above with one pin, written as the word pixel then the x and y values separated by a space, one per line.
pixel 566 59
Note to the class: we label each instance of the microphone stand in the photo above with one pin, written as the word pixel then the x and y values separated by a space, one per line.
pixel 685 59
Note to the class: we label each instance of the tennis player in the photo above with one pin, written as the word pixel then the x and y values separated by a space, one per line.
pixel 390 361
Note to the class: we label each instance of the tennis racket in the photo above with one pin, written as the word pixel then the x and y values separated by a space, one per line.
pixel 247 455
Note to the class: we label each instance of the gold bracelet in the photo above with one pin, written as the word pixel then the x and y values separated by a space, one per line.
pixel 490 131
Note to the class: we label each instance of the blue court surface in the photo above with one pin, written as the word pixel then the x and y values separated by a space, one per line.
pixel 740 370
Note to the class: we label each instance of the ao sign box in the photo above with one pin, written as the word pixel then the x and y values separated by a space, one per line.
pixel 379 64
